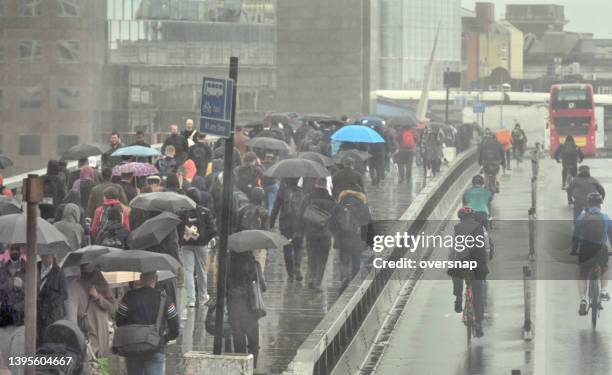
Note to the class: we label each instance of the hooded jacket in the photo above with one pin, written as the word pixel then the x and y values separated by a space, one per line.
pixel 70 227
pixel 289 195
pixel 344 240
pixel 95 225
pixel 569 153
pixel 53 185
pixel 347 179
pixel 582 186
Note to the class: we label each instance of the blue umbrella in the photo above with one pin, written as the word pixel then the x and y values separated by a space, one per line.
pixel 357 133
pixel 370 121
pixel 139 151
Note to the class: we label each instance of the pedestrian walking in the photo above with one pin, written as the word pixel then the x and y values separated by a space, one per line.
pixel 201 154
pixel 347 178
pixel 70 226
pixel 109 161
pixel 96 196
pixel 179 143
pixel 52 294
pixel 190 133
pixel 405 154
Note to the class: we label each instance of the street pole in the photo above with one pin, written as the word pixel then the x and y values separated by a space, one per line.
pixel 33 192
pixel 226 206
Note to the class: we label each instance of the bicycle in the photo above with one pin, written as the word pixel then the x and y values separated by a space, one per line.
pixel 469 316
pixel 593 295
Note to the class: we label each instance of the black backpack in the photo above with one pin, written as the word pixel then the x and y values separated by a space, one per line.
pixel 593 228
pixel 112 235
pixel 250 217
pixel 346 219
pixel 246 177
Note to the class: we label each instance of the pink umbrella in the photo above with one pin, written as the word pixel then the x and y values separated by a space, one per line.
pixel 137 169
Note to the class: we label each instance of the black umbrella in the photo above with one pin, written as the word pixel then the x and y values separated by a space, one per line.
pixel 247 240
pixel 10 205
pixel 87 255
pixel 85 150
pixel 267 143
pixel 358 156
pixel 296 168
pixel 5 162
pixel 137 261
pixel 153 231
pixel 280 118
pixel 163 201
pixel 49 239
pixel 254 124
pixel 316 117
pixel 316 157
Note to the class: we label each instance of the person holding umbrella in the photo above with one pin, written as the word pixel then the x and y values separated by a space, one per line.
pixel 288 204
pixel 52 293
pixel 141 306
pixel 91 303
pixel 12 288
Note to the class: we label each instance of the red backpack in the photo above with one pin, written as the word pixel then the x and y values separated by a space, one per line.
pixel 408 142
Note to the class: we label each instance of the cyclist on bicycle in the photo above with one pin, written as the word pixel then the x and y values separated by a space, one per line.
pixel 491 156
pixel 469 225
pixel 478 198
pixel 593 232
pixel 569 155
pixel 580 188
pixel 519 141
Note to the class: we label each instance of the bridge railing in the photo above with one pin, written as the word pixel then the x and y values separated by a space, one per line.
pixel 324 348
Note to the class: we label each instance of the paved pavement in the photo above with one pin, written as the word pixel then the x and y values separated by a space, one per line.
pixel 293 309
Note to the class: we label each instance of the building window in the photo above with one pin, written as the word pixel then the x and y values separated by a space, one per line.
pixel 1 8
pixel 604 90
pixel 68 99
pixel 68 8
pixel 29 51
pixel 68 51
pixel 1 52
pixel 29 145
pixel 31 98
pixel 64 142
pixel 29 8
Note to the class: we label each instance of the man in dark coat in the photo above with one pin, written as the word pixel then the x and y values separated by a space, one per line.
pixel 179 142
pixel 51 293
pixel 288 202
pixel 190 133
pixel 347 178
pixel 140 141
pixel 109 161
pixel 317 234
pixel 54 190
pixel 580 188
pixel 12 289
pixel 377 162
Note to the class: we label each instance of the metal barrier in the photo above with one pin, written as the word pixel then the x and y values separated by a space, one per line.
pixel 527 324
pixel 325 346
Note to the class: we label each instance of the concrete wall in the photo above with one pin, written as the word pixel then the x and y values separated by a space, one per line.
pixel 320 56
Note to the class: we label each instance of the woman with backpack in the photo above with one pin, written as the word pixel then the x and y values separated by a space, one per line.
pixel 195 232
pixel 314 219
pixel 112 232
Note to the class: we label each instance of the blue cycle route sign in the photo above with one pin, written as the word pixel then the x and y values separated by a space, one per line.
pixel 479 107
pixel 216 113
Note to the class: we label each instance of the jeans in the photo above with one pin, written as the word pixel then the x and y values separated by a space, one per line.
pixel 194 258
pixel 318 252
pixel 271 192
pixel 350 264
pixel 478 291
pixel 404 166
pixel 377 169
pixel 148 364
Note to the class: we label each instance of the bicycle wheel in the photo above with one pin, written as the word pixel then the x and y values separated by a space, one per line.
pixel 468 312
pixel 594 299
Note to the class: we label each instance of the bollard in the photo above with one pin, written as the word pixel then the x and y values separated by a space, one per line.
pixel 527 325
pixel 532 222
pixel 534 192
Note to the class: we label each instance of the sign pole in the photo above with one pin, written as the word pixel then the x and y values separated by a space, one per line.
pixel 225 215
pixel 33 194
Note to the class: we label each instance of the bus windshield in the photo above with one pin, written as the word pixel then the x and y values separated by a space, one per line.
pixel 572 99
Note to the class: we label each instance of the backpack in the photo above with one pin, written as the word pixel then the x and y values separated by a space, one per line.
pixel 109 236
pixel 104 216
pixel 246 178
pixel 200 155
pixel 293 202
pixel 346 219
pixel 408 142
pixel 593 228
pixel 250 217
pixel 49 190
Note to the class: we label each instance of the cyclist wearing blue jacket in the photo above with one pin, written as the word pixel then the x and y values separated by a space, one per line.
pixel 592 232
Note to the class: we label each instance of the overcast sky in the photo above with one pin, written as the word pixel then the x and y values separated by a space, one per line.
pixel 584 15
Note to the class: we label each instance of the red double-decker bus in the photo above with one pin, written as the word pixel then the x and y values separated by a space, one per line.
pixel 572 112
